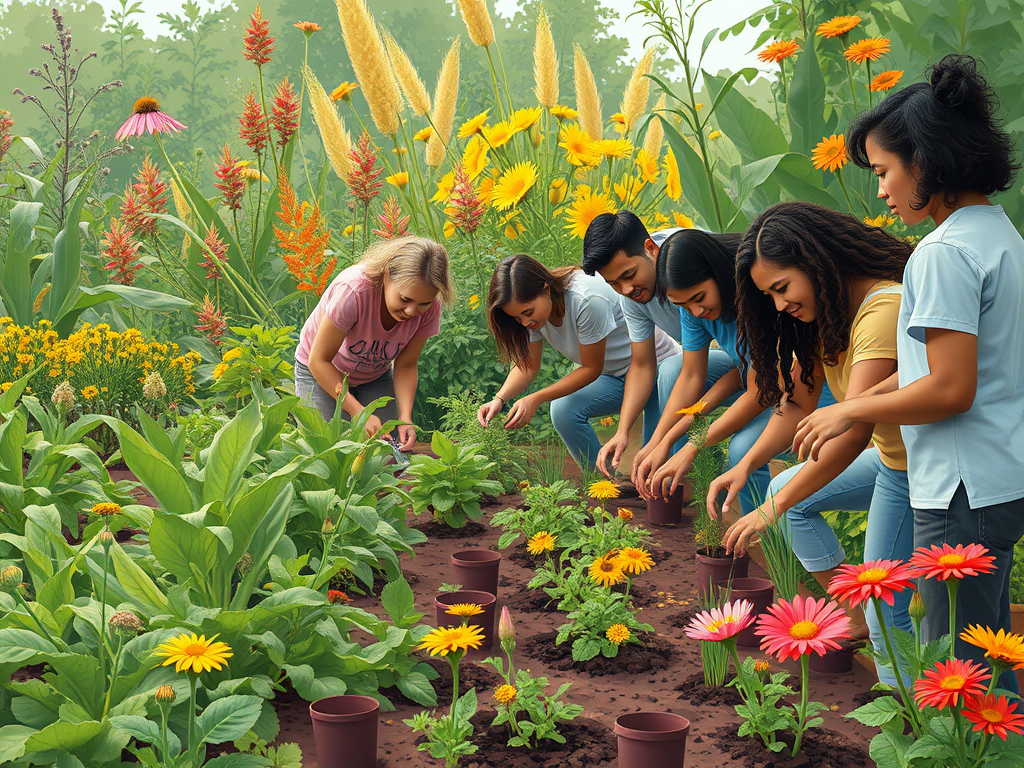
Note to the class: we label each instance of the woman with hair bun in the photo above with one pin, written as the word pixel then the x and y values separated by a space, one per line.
pixel 939 153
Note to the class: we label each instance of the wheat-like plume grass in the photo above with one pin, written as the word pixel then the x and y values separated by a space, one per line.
pixel 655 132
pixel 638 89
pixel 405 72
pixel 445 97
pixel 478 21
pixel 588 102
pixel 370 62
pixel 545 64
pixel 337 142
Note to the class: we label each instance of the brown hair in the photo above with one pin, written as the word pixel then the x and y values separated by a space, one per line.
pixel 409 260
pixel 522 278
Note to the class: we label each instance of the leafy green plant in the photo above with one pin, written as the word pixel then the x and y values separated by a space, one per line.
pixel 593 627
pixel 762 691
pixel 556 509
pixel 707 465
pixel 448 736
pixel 259 353
pixel 451 485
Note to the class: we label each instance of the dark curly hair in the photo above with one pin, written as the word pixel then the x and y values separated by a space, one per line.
pixel 831 249
pixel 946 130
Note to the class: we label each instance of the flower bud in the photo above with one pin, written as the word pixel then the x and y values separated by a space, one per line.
pixel 536 137
pixel 557 192
pixel 107 539
pixel 506 629
pixel 165 695
pixel 917 609
pixel 11 577
pixel 125 623
pixel 761 667
pixel 327 528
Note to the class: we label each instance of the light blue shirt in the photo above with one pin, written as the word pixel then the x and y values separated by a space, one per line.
pixel 698 334
pixel 968 276
pixel 659 312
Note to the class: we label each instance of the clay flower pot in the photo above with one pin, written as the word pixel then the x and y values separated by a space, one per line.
pixel 711 570
pixel 666 511
pixel 834 662
pixel 476 570
pixel 651 739
pixel 760 592
pixel 345 731
pixel 485 620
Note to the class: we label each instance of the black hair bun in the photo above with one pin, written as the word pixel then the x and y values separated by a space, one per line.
pixel 956 83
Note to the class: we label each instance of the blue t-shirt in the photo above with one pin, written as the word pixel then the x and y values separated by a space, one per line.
pixel 696 334
pixel 968 276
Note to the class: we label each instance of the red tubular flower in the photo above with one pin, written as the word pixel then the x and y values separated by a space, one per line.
pixel 219 255
pixel 948 562
pixel 877 579
pixel 285 112
pixel 994 715
pixel 255 125
pixel 121 250
pixel 469 207
pixel 6 123
pixel 212 323
pixel 393 223
pixel 948 681
pixel 133 212
pixel 257 40
pixel 232 182
pixel 363 178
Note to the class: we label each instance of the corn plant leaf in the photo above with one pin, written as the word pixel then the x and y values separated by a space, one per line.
pixel 15 278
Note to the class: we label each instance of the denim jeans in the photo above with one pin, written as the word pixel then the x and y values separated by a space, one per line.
pixel 719 364
pixel 981 600
pixel 313 394
pixel 866 484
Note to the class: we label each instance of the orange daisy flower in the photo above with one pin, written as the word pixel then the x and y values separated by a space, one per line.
pixel 838 26
pixel 830 154
pixel 870 48
pixel 944 684
pixel 883 81
pixel 994 715
pixel 777 51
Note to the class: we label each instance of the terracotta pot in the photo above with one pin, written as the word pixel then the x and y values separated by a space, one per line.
pixel 666 511
pixel 760 592
pixel 651 739
pixel 476 570
pixel 345 731
pixel 834 662
pixel 711 570
pixel 1017 627
pixel 485 621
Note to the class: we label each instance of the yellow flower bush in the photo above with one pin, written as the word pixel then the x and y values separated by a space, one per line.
pixel 106 369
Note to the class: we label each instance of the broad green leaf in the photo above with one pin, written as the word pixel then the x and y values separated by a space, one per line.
pixel 18 645
pixel 877 712
pixel 239 760
pixel 398 600
pixel 696 186
pixel 184 549
pixel 416 686
pixel 143 298
pixel 157 474
pixel 311 688
pixel 12 742
pixel 63 735
pixel 137 584
pixel 229 718
pixel 230 454
pixel 12 446
pixel 9 399
pixel 15 277
pixel 806 101
pixel 67 259
pixel 754 134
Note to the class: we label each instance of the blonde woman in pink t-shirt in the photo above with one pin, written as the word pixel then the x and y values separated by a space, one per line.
pixel 379 314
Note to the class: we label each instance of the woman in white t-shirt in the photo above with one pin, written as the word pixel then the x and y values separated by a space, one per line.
pixel 580 316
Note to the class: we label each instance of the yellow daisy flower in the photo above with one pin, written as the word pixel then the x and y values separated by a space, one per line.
pixel 191 653
pixel 473 125
pixel 634 560
pixel 505 694
pixel 464 610
pixel 445 640
pixel 618 633
pixel 603 489
pixel 605 571
pixel 540 542
pixel 513 185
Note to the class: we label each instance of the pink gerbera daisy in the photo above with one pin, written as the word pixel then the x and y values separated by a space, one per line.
pixel 948 562
pixel 721 623
pixel 790 630
pixel 879 579
pixel 947 681
pixel 147 118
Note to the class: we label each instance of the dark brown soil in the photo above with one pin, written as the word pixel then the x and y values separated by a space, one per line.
pixel 821 748
pixel 655 653
pixel 436 531
pixel 693 690
pixel 682 620
pixel 483 678
pixel 587 743
pixel 533 601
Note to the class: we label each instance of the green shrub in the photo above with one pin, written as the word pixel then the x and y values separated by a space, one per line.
pixel 451 485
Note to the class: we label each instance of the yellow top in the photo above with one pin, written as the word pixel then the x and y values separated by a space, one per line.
pixel 873 337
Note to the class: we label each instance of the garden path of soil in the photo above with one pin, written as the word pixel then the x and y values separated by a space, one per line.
pixel 669 589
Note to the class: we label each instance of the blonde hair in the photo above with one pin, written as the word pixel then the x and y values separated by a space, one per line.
pixel 410 260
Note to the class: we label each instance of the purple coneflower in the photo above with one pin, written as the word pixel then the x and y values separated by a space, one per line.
pixel 147 118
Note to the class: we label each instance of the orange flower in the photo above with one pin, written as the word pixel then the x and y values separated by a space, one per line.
pixel 994 715
pixel 284 112
pixel 217 254
pixel 257 40
pixel 344 91
pixel 777 51
pixel 305 239
pixel 869 48
pixel 307 27
pixel 883 81
pixel 840 25
pixel 830 154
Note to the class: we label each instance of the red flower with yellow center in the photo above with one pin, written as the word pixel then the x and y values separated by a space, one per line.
pixel 948 562
pixel 948 681
pixel 994 715
pixel 878 579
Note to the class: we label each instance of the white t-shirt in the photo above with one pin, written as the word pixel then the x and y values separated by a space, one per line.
pixel 592 313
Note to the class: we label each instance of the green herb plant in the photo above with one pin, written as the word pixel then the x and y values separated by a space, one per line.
pixel 451 485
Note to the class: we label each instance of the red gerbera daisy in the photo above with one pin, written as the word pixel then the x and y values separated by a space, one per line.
pixel 879 579
pixel 793 629
pixel 949 680
pixel 994 715
pixel 948 562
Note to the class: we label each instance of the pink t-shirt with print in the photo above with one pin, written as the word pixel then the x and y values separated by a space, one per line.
pixel 353 305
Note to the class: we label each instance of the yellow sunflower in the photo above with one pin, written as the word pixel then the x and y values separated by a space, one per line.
pixel 838 26
pixel 585 208
pixel 189 652
pixel 619 121
pixel 579 148
pixel 648 166
pixel 90 392
pixel 557 191
pixel 830 153
pixel 625 514
pixel 605 571
pixel 473 125
pixel 499 134
pixel 513 185
pixel 445 640
pixel 464 610
pixel 603 489
pixel 629 189
pixel 870 48
pixel 564 113
pixel 634 560
pixel 444 188
pixel 618 633
pixel 540 542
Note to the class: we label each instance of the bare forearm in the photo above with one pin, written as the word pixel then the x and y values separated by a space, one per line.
pixel 722 389
pixel 833 459
pixel 736 416
pixel 406 379
pixel 517 382
pixel 776 438
pixel 331 379
pixel 925 401
pixel 640 381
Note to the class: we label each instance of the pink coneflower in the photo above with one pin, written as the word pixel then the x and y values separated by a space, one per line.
pixel 948 562
pixel 721 623
pixel 879 579
pixel 947 681
pixel 147 118
pixel 793 629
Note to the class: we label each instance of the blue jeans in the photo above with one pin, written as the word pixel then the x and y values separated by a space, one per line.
pixel 866 484
pixel 983 600
pixel 719 364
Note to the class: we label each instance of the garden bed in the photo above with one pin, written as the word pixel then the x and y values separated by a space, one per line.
pixel 670 591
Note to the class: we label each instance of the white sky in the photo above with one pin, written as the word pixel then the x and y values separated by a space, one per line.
pixel 730 54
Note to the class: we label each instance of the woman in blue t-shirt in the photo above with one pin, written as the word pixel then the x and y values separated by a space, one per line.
pixel 939 152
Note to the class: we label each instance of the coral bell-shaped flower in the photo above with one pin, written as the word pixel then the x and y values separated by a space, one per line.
pixel 363 178
pixel 255 125
pixel 121 251
pixel 212 323
pixel 217 254
pixel 285 112
pixel 303 240
pixel 392 222
pixel 257 40
pixel 468 207
pixel 232 180
pixel 147 118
